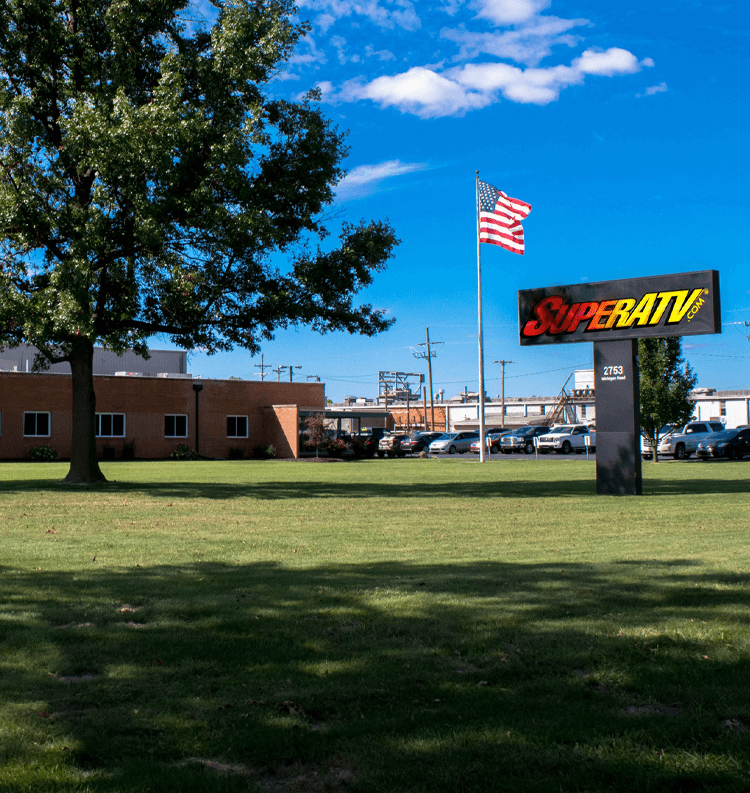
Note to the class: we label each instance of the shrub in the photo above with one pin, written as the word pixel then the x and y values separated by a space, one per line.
pixel 262 452
pixel 363 446
pixel 183 452
pixel 236 453
pixel 336 448
pixel 108 452
pixel 43 454
pixel 128 450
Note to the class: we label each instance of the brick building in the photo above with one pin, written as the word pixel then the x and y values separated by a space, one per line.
pixel 156 413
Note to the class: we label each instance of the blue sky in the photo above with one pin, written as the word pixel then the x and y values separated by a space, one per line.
pixel 623 124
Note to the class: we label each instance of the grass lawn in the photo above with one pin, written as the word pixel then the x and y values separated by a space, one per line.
pixel 374 626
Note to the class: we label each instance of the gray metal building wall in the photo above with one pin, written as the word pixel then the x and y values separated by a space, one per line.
pixel 105 362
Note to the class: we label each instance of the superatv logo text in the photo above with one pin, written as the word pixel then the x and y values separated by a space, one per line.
pixel 554 316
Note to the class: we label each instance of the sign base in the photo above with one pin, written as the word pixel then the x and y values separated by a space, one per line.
pixel 618 419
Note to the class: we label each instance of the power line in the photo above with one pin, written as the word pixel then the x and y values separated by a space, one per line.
pixel 528 374
pixel 718 355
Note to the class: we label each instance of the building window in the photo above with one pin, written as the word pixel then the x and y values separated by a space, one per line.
pixel 723 407
pixel 175 426
pixel 236 426
pixel 36 425
pixel 110 425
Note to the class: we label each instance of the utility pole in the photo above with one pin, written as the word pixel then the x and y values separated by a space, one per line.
pixel 278 372
pixel 429 355
pixel 502 391
pixel 283 368
pixel 262 367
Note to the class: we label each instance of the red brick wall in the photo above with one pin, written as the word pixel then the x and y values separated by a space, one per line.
pixel 146 400
pixel 415 417
pixel 281 428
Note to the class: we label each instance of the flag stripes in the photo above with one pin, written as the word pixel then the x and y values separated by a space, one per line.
pixel 500 218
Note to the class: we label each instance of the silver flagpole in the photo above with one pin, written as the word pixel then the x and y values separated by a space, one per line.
pixel 479 336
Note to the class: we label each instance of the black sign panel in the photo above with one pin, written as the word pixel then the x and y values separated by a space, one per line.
pixel 685 304
pixel 618 432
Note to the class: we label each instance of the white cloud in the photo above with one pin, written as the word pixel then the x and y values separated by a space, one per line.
pixel 528 44
pixel 525 86
pixel 429 94
pixel 451 7
pixel 307 53
pixel 498 54
pixel 384 13
pixel 419 91
pixel 609 62
pixel 339 44
pixel 327 91
pixel 654 89
pixel 383 55
pixel 324 22
pixel 364 179
pixel 509 12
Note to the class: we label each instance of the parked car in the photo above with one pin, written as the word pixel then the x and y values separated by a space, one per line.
pixel 493 439
pixel 418 442
pixel 732 444
pixel 646 451
pixel 681 444
pixel 452 442
pixel 522 439
pixel 567 438
pixel 365 443
pixel 390 445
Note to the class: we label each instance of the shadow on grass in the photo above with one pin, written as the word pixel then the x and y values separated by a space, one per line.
pixel 366 488
pixel 388 677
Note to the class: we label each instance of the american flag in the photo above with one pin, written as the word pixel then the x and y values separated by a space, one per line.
pixel 500 218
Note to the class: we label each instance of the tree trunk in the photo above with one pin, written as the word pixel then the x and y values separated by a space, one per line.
pixel 84 466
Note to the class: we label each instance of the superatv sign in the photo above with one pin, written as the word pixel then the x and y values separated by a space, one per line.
pixel 664 305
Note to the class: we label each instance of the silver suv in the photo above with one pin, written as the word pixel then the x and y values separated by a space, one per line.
pixel 682 443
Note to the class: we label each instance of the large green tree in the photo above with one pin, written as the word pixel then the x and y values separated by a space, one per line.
pixel 665 385
pixel 150 183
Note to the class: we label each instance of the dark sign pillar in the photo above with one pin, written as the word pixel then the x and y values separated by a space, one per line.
pixel 618 422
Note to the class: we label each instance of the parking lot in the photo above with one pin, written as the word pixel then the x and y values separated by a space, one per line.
pixel 514 457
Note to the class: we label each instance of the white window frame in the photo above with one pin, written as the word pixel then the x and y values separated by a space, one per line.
pixel 175 416
pixel 236 435
pixel 112 415
pixel 37 413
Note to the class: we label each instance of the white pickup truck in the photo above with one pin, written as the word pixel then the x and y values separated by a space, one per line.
pixel 567 438
pixel 683 442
